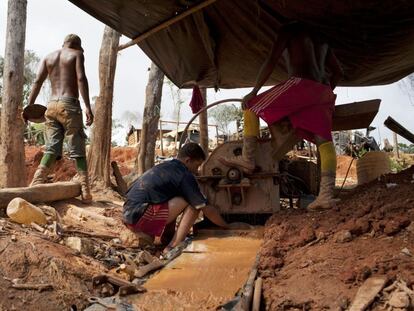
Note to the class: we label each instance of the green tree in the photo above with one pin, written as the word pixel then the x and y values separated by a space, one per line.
pixel 31 61
pixel 224 115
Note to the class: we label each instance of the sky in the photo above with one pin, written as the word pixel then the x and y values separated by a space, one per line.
pixel 49 21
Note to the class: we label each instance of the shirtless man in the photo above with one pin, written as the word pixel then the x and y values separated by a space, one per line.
pixel 301 107
pixel 66 72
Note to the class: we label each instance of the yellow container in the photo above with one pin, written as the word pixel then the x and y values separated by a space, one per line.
pixel 23 212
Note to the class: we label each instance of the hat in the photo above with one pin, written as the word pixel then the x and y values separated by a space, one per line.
pixel 74 39
pixel 35 113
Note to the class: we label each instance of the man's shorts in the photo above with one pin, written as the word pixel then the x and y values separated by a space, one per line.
pixel 309 105
pixel 153 221
pixel 64 118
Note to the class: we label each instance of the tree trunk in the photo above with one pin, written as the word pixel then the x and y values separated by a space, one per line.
pixel 100 148
pixel 12 158
pixel 41 193
pixel 150 120
pixel 203 120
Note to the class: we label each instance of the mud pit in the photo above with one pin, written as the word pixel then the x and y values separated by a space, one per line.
pixel 209 272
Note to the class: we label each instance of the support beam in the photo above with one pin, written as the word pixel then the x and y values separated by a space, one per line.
pixel 41 193
pixel 166 24
pixel 12 157
pixel 399 129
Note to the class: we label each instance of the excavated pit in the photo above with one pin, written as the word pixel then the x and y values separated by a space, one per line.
pixel 209 272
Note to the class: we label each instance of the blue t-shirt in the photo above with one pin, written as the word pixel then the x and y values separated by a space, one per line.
pixel 160 184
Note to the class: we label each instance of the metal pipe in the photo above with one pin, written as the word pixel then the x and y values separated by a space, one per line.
pixel 204 109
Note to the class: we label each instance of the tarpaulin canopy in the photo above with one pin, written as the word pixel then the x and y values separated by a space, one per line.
pixel 224 44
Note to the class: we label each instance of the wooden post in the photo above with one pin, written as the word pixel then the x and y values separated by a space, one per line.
pixel 397 151
pixel 12 157
pixel 166 24
pixel 161 144
pixel 100 149
pixel 150 119
pixel 41 193
pixel 203 120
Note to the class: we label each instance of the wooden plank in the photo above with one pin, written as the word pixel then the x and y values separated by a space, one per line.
pixel 166 24
pixel 399 129
pixel 355 115
pixel 41 193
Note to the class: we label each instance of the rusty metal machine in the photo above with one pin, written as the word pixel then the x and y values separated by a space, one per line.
pixel 235 193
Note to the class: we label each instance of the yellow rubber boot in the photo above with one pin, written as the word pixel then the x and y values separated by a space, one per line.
pixel 326 199
pixel 247 160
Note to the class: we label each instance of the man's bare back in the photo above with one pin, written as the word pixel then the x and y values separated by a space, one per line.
pixel 61 68
pixel 66 72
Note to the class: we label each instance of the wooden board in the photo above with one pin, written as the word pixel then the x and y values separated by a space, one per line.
pixel 355 115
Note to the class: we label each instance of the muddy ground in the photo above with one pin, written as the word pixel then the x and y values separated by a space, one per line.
pixel 317 261
pixel 309 261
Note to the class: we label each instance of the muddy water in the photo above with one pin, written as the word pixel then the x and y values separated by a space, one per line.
pixel 209 272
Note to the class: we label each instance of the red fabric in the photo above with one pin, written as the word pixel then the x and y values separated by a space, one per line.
pixel 153 221
pixel 197 101
pixel 308 104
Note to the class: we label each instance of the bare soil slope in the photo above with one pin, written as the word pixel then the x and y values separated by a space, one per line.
pixel 317 261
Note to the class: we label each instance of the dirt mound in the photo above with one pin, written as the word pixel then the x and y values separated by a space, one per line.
pixel 125 157
pixel 29 259
pixel 342 165
pixel 315 261
pixel 65 168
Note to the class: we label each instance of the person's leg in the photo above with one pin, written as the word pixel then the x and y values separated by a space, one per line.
pixel 187 221
pixel 283 138
pixel 251 131
pixel 175 207
pixel 54 143
pixel 70 115
pixel 82 169
pixel 325 199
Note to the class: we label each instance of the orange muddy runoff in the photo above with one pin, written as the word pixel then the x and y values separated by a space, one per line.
pixel 209 272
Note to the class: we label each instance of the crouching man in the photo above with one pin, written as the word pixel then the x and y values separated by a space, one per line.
pixel 165 191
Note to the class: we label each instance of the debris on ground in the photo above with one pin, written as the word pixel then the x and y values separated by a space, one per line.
pixel 369 234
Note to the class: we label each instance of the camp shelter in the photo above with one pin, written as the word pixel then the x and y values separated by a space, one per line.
pixel 223 44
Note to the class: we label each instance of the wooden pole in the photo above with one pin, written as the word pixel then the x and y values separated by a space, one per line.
pixel 397 151
pixel 217 135
pixel 100 148
pixel 12 157
pixel 257 294
pixel 166 24
pixel 161 144
pixel 41 193
pixel 203 119
pixel 153 93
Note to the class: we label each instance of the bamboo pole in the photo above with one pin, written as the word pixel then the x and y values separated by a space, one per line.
pixel 166 24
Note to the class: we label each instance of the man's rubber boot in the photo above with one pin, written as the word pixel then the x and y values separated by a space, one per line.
pixel 247 160
pixel 283 138
pixel 40 176
pixel 86 190
pixel 325 199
